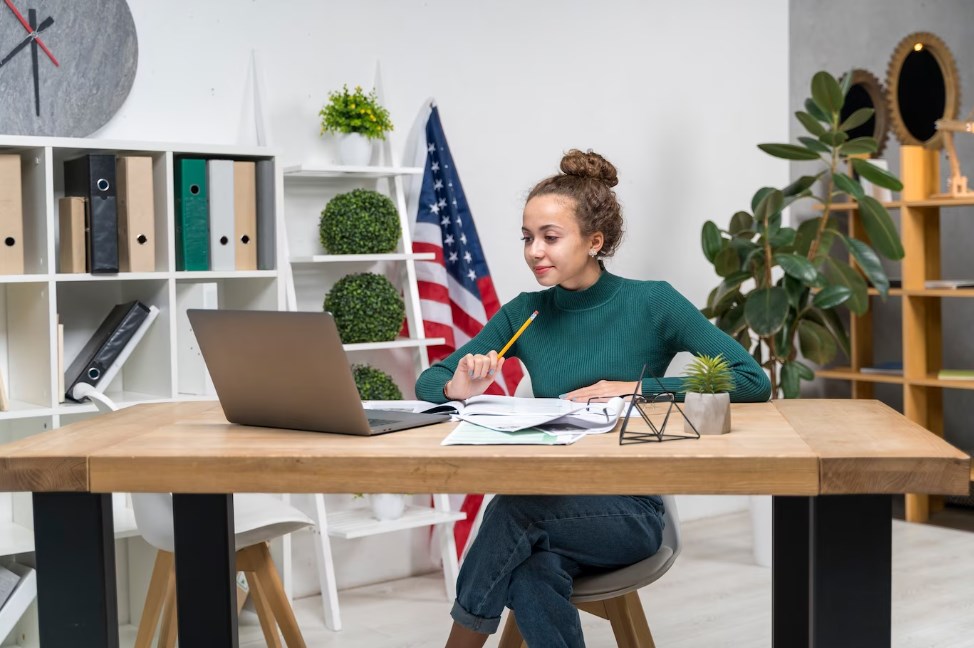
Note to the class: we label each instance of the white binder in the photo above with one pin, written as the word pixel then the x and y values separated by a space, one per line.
pixel 219 180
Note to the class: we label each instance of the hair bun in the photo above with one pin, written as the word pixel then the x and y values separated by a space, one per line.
pixel 587 164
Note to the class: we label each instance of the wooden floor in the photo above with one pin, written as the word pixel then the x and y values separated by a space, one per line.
pixel 714 596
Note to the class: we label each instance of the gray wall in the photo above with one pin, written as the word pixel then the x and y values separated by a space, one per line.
pixel 837 35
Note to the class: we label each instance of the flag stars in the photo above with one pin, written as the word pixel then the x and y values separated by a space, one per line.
pixel 435 167
pixel 431 148
pixel 467 257
pixel 449 239
pixel 459 220
pixel 441 203
pixel 437 185
pixel 445 221
pixel 453 257
pixel 434 208
pixel 463 239
pixel 472 275
pixel 454 202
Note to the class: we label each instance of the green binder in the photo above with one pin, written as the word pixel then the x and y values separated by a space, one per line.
pixel 192 220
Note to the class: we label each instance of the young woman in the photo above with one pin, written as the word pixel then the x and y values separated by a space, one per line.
pixel 593 334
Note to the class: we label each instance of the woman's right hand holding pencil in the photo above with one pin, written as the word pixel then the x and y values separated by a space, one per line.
pixel 473 376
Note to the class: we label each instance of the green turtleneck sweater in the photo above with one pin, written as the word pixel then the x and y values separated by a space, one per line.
pixel 605 332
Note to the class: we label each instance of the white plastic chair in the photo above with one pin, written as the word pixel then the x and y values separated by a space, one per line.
pixel 613 595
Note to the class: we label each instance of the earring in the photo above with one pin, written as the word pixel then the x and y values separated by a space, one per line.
pixel 592 253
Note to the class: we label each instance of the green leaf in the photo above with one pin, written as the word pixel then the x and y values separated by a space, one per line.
pixel 711 240
pixel 806 234
pixel 797 266
pixel 790 380
pixel 788 151
pixel 877 176
pixel 733 320
pixel 812 109
pixel 801 184
pixel 769 205
pixel 832 296
pixel 727 262
pixel 743 338
pixel 842 274
pixel 857 118
pixel 848 185
pixel 795 289
pixel 811 124
pixel 816 342
pixel 784 237
pixel 880 228
pixel 759 195
pixel 730 284
pixel 826 93
pixel 766 310
pixel 836 138
pixel 870 264
pixel 741 223
pixel 845 83
pixel 830 319
pixel 814 145
pixel 860 145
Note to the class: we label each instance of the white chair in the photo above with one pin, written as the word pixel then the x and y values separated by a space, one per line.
pixel 613 595
pixel 257 519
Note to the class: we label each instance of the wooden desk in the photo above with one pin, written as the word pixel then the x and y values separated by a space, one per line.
pixel 832 465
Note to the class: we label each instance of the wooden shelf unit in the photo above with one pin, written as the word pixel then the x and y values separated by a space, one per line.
pixel 922 340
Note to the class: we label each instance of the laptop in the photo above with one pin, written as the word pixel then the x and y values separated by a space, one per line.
pixel 288 370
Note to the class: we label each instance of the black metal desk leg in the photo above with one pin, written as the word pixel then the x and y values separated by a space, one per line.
pixel 206 592
pixel 74 541
pixel 790 575
pixel 852 554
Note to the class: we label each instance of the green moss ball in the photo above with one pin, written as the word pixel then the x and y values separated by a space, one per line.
pixel 359 222
pixel 374 384
pixel 366 308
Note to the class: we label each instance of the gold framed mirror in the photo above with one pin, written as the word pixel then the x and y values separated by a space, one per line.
pixel 866 91
pixel 922 86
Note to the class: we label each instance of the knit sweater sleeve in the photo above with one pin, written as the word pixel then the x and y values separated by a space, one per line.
pixel 685 328
pixel 494 335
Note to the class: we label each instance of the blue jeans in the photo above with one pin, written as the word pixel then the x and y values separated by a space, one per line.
pixel 529 549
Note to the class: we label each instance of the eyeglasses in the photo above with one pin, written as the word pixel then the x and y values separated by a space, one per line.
pixel 655 411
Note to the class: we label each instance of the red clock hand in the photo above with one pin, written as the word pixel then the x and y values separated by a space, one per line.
pixel 27 26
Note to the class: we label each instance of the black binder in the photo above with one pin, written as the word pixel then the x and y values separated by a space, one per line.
pixel 105 345
pixel 93 177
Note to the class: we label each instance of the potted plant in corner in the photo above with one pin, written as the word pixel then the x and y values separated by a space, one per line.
pixel 707 384
pixel 357 119
pixel 781 286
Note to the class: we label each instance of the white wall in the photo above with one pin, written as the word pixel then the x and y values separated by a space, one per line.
pixel 676 94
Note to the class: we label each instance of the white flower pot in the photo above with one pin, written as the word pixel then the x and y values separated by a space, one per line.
pixel 387 506
pixel 355 149
pixel 710 413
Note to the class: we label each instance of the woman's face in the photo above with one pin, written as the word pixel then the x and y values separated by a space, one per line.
pixel 554 247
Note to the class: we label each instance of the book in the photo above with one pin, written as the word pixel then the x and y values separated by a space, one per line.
pixel 11 216
pixel 72 234
pixel 192 216
pixel 219 184
pixel 949 283
pixel 136 214
pixel 555 415
pixel 105 345
pixel 8 583
pixel 956 374
pixel 893 367
pixel 245 215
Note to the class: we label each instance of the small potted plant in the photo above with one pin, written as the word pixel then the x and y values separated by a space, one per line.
pixel 707 384
pixel 375 384
pixel 366 307
pixel 361 221
pixel 357 119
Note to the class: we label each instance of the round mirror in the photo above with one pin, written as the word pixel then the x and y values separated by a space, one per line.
pixel 865 91
pixel 923 87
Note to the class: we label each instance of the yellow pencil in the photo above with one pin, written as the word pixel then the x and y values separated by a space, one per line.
pixel 517 335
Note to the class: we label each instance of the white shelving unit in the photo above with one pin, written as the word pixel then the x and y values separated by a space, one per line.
pixel 31 303
pixel 308 189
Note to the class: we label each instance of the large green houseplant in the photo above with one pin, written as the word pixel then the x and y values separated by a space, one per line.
pixel 780 285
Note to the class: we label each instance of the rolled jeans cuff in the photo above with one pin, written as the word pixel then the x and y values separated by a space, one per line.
pixel 472 621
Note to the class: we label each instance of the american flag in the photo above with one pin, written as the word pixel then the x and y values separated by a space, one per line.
pixel 457 296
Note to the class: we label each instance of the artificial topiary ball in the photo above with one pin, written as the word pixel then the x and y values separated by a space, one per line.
pixel 366 308
pixel 359 222
pixel 374 384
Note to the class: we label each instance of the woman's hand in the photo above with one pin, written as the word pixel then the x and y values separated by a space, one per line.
pixel 602 391
pixel 473 376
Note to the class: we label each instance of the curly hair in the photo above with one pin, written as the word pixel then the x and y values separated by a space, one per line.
pixel 587 179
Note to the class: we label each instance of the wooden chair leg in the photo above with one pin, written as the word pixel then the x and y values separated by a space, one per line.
pixel 511 636
pixel 629 624
pixel 241 598
pixel 258 560
pixel 167 635
pixel 154 599
pixel 264 613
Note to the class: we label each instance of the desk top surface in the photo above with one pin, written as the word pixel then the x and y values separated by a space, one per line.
pixel 793 447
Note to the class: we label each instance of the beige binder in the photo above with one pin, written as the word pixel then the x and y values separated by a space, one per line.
pixel 245 214
pixel 136 218
pixel 71 220
pixel 11 216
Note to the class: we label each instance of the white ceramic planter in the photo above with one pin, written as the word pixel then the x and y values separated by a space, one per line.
pixel 355 149
pixel 710 413
pixel 387 506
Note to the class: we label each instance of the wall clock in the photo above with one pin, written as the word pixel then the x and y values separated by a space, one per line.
pixel 66 66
